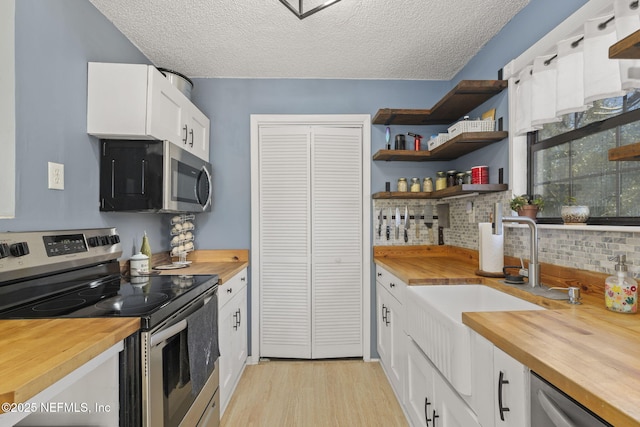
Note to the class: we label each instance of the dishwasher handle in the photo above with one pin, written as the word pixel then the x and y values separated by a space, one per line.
pixel 555 414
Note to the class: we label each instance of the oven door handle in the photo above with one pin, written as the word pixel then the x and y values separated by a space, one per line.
pixel 555 414
pixel 162 336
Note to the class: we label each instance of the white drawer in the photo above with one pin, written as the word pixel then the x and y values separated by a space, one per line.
pixel 392 283
pixel 232 287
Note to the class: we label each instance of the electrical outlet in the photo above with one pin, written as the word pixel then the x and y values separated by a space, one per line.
pixel 56 176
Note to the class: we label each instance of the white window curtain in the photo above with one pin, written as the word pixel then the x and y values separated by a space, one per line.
pixel 570 81
pixel 601 74
pixel 524 102
pixel 543 90
pixel 578 71
pixel 627 15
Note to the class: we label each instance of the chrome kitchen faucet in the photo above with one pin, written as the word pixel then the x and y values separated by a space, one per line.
pixel 533 272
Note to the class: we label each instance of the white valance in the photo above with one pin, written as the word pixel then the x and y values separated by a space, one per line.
pixel 577 71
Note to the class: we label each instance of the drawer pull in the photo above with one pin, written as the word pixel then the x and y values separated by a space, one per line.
pixel 501 382
pixel 229 290
pixel 393 285
pixel 243 279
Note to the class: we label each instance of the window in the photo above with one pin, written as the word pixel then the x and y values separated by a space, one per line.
pixel 570 159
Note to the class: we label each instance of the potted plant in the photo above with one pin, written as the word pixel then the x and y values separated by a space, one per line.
pixel 528 206
pixel 573 214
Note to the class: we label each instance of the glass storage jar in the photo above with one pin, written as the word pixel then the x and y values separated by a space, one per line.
pixel 415 185
pixel 402 185
pixel 451 178
pixel 427 185
pixel 441 180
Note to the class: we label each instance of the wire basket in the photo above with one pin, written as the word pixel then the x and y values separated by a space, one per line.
pixel 471 126
pixel 438 140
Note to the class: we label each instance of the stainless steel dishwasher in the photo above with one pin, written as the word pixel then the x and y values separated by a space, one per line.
pixel 550 407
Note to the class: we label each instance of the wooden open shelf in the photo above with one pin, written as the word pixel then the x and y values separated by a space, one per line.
pixel 627 48
pixel 467 95
pixel 452 149
pixel 456 190
pixel 625 152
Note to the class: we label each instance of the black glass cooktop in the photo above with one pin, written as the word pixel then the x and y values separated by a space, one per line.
pixel 151 298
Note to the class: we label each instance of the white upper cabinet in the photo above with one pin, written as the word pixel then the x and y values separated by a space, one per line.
pixel 135 101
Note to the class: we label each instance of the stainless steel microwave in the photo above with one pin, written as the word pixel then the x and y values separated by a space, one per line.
pixel 152 176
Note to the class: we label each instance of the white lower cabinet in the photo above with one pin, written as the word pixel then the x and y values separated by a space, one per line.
pixel 429 399
pixel 391 328
pixel 391 338
pixel 500 386
pixel 232 334
pixel 88 396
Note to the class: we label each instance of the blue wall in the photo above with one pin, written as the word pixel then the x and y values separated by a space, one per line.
pixel 54 42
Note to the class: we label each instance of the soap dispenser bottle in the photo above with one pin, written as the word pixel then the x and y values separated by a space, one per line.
pixel 621 291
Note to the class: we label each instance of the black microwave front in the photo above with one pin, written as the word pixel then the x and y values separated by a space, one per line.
pixel 152 176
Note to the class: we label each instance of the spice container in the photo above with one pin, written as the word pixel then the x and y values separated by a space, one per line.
pixel 427 185
pixel 415 185
pixel 467 178
pixel 139 265
pixel 441 180
pixel 460 178
pixel 402 185
pixel 451 178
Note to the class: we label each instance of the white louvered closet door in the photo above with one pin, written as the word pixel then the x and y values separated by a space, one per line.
pixel 310 241
pixel 336 206
pixel 285 246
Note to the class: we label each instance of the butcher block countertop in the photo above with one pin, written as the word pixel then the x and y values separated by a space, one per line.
pixel 225 263
pixel 590 353
pixel 36 353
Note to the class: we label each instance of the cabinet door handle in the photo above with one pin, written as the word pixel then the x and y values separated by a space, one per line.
pixel 384 314
pixel 186 133
pixel 387 320
pixel 435 416
pixel 426 411
pixel 191 133
pixel 501 382
pixel 239 318
pixel 236 316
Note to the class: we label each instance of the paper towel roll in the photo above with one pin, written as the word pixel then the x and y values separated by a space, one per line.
pixel 491 249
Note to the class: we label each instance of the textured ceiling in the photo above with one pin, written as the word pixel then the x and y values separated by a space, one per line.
pixel 352 39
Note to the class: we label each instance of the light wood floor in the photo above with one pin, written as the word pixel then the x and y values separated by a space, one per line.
pixel 313 393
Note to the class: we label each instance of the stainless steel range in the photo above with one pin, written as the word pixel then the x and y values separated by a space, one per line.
pixel 169 370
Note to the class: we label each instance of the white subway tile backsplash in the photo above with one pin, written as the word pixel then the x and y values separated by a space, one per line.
pixel 580 249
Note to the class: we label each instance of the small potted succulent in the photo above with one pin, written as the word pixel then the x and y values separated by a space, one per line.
pixel 527 206
pixel 573 214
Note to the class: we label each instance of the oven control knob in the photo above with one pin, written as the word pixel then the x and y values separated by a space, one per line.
pixel 19 249
pixel 104 240
pixel 93 241
pixel 4 250
pixel 114 239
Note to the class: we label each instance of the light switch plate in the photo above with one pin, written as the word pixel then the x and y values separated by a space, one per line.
pixel 56 176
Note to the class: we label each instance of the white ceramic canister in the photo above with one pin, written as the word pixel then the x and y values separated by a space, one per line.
pixel 139 264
